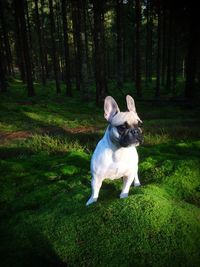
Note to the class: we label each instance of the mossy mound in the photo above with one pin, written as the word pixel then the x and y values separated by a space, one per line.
pixel 157 225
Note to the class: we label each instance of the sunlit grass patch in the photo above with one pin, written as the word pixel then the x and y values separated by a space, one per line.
pixel 52 144
pixel 157 138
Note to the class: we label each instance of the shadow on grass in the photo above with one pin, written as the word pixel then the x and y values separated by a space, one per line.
pixel 14 152
pixel 36 250
pixel 17 116
pixel 40 181
pixel 86 137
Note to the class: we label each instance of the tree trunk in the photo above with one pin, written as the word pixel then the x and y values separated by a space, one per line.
pixel 3 84
pixel 43 38
pixel 59 38
pixel 192 54
pixel 19 46
pixel 84 61
pixel 183 68
pixel 100 74
pixel 120 44
pixel 29 38
pixel 20 12
pixel 157 92
pixel 108 60
pixel 86 38
pixel 66 50
pixel 54 50
pixel 104 52
pixel 169 61
pixel 149 42
pixel 41 50
pixel 163 75
pixel 5 41
pixel 174 73
pixel 151 25
pixel 133 57
pixel 76 39
pixel 138 47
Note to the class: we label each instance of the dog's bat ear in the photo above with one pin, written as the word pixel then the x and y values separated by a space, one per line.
pixel 130 103
pixel 110 108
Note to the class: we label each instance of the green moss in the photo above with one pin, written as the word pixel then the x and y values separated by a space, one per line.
pixel 185 181
pixel 147 229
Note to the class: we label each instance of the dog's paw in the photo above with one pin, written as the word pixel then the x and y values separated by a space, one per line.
pixel 91 200
pixel 123 195
pixel 137 184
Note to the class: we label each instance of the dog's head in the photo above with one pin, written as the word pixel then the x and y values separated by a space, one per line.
pixel 124 128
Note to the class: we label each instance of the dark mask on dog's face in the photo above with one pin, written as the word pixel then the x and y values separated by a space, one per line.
pixel 125 127
pixel 126 134
pixel 129 134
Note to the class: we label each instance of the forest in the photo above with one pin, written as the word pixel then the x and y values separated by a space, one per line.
pixel 153 44
pixel 59 59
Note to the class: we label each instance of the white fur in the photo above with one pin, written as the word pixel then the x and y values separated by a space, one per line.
pixel 112 162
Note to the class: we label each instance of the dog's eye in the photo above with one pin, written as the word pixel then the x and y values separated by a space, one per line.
pixel 121 128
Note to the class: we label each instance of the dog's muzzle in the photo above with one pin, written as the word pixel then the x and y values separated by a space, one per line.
pixel 132 136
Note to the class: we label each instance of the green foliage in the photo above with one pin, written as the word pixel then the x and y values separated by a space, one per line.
pixel 45 183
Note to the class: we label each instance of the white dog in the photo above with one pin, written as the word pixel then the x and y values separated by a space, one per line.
pixel 115 155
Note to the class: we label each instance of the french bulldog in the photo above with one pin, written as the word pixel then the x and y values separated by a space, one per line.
pixel 115 155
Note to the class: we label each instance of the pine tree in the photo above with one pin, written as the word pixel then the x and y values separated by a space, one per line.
pixel 138 47
pixel 54 49
pixel 120 43
pixel 158 72
pixel 19 6
pixel 41 50
pixel 66 50
pixel 100 74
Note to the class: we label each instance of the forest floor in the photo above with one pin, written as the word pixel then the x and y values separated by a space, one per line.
pixel 45 148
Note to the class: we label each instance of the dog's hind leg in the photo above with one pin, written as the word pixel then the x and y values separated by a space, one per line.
pixel 96 185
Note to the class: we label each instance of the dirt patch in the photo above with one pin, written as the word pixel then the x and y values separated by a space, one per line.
pixel 50 130
pixel 83 129
pixel 5 137
pixel 54 130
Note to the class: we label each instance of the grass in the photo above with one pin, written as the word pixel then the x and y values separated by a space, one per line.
pixel 45 149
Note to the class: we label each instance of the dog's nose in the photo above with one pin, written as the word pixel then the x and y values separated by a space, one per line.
pixel 134 131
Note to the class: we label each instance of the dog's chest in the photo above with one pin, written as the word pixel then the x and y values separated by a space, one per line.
pixel 107 163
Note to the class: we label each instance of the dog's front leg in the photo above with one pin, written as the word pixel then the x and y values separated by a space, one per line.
pixel 136 180
pixel 96 185
pixel 127 181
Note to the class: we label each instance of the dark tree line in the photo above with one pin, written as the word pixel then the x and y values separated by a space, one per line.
pixel 154 43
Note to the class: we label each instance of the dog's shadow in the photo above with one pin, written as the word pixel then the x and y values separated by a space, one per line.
pixel 110 190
